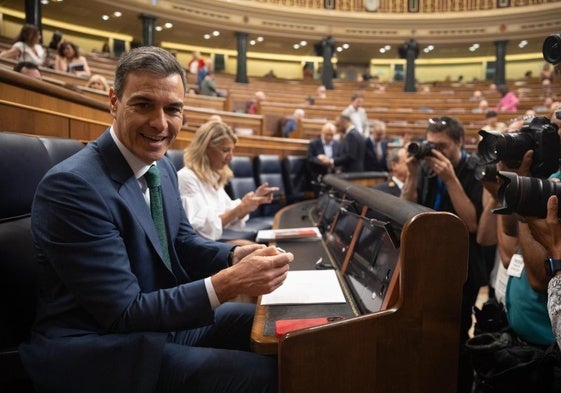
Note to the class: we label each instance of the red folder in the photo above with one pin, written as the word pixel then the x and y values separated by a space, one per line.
pixel 287 325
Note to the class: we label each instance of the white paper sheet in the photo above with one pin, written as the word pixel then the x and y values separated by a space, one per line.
pixel 307 287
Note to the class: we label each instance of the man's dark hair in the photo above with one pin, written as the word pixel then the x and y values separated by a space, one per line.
pixel 450 126
pixel 149 59
pixel 25 64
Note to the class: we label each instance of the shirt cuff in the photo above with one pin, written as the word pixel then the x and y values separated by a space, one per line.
pixel 214 302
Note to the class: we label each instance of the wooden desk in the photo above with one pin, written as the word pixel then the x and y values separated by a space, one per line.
pixel 411 346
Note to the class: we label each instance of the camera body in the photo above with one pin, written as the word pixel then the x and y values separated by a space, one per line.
pixel 539 135
pixel 420 150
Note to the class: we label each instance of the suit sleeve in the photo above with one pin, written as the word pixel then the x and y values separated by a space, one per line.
pixel 90 240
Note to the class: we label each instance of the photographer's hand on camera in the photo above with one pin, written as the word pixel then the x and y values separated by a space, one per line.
pixel 441 166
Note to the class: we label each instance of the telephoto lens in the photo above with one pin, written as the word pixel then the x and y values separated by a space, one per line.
pixel 526 196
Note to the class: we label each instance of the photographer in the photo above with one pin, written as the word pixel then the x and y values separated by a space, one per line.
pixel 444 180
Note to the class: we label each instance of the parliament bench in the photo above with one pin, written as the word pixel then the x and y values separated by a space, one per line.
pixel 406 341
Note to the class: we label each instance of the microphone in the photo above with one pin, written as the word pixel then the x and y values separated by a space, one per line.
pixel 347 202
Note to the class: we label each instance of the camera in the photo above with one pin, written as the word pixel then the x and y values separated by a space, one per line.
pixel 552 49
pixel 420 150
pixel 485 171
pixel 537 134
pixel 526 196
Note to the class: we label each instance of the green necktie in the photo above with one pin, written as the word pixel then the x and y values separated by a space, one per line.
pixel 157 209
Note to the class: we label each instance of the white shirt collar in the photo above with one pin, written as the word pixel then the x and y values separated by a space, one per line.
pixel 139 167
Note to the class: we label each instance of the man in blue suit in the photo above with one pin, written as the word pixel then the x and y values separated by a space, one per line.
pixel 119 310
pixel 376 148
pixel 353 147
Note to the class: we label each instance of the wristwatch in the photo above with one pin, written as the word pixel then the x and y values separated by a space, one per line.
pixel 552 266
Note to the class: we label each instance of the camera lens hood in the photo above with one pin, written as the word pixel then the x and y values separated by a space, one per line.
pixel 552 49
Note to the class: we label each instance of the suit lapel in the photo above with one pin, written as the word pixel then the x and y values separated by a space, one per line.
pixel 129 189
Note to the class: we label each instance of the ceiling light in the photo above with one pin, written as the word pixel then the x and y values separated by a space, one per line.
pixel 44 2
pixel 168 25
pixel 158 28
pixel 252 42
pixel 105 17
pixel 345 46
pixel 296 46
pixel 260 39
pixel 206 36
pixel 117 14
pixel 339 49
pixel 382 50
pixel 303 43
pixel 387 47
pixel 216 33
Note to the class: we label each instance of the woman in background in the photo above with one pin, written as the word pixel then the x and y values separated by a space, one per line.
pixel 202 181
pixel 27 46
pixel 69 60
pixel 98 82
pixel 508 102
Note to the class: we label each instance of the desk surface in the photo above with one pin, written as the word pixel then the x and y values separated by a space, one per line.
pixel 306 253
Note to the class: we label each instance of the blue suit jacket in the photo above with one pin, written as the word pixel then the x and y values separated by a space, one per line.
pixel 371 162
pixel 353 151
pixel 107 302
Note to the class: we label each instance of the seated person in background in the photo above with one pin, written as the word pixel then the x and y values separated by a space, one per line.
pixel 397 162
pixel 321 92
pixel 202 180
pixel 27 46
pixel 482 107
pixel 28 68
pixel 493 123
pixel 124 306
pixel 69 60
pixel 376 148
pixel 508 101
pixel 208 86
pixel 291 123
pixel 253 107
pixel 98 82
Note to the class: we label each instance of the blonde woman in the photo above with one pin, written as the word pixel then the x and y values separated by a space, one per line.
pixel 202 181
pixel 98 82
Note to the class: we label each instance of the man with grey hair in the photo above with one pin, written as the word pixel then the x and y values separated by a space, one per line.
pixel 132 300
pixel 376 148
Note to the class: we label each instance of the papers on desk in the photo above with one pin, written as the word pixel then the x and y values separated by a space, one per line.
pixel 307 287
pixel 268 235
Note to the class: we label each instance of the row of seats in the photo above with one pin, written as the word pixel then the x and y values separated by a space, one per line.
pixel 24 161
pixel 289 174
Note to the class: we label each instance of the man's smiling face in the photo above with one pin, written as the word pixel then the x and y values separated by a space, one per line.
pixel 149 114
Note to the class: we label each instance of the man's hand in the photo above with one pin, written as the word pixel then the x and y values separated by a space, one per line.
pixel 441 166
pixel 552 221
pixel 257 273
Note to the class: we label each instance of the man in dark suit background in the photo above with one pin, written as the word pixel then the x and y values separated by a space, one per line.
pixel 397 161
pixel 121 310
pixel 322 152
pixel 354 147
pixel 376 148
